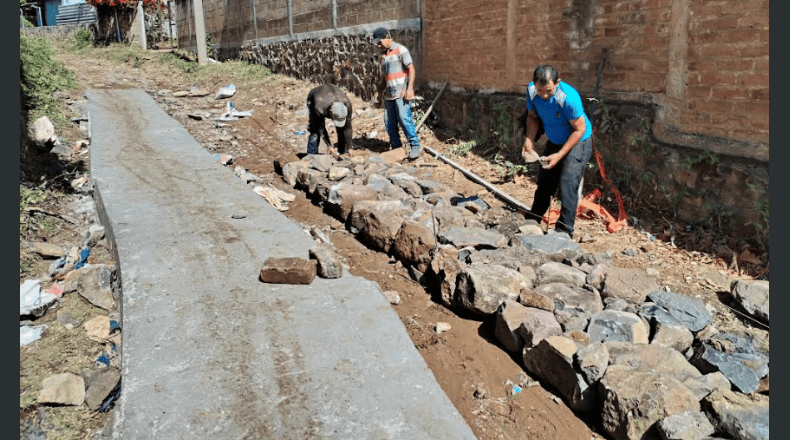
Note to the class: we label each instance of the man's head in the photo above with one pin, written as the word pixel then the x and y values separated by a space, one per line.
pixel 382 38
pixel 339 113
pixel 546 79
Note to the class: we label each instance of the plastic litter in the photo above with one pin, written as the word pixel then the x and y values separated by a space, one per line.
pixel 300 133
pixel 84 253
pixel 231 114
pixel 226 92
pixel 516 390
pixel 32 301
pixel 30 333
pixel 224 159
pixel 109 402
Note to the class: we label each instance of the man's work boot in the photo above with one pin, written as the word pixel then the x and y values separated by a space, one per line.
pixel 415 152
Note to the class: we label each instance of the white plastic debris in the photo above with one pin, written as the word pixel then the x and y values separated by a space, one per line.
pixel 226 92
pixel 32 301
pixel 30 333
pixel 231 114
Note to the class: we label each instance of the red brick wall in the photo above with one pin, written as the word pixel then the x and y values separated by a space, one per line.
pixel 727 82
pixel 723 49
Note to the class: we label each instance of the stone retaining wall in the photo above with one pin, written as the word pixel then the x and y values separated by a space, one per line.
pixel 62 32
pixel 350 61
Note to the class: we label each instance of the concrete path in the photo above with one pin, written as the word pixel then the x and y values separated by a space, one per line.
pixel 209 351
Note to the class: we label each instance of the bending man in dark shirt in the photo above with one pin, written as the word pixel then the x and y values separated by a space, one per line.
pixel 328 101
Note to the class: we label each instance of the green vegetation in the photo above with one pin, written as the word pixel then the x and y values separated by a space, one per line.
pixel 41 75
pixel 82 39
pixel 705 156
pixel 461 149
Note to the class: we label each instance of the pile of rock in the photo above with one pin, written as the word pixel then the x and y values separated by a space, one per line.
pixel 606 339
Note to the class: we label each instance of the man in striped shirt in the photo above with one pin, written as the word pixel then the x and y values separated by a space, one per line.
pixel 397 90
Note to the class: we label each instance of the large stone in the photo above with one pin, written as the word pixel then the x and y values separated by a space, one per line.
pixel 44 132
pixel 688 425
pixel 338 173
pixel 690 311
pixel 46 250
pixel 408 183
pixel 613 325
pixel 740 417
pixel 552 362
pixel 753 297
pixel 530 298
pixel 413 244
pixel 572 318
pixel 453 216
pixel 583 299
pixel 672 333
pixel 321 162
pixel 592 361
pixel 633 401
pixel 557 247
pixel 471 236
pixel 386 188
pixel 553 272
pixel 291 170
pixel 518 326
pixel 307 179
pixel 62 389
pixel 512 257
pixel 343 196
pixel 703 385
pixel 445 266
pixel 100 385
pixel 481 288
pixel 632 285
pixel 651 358
pixel 743 370
pixel 328 262
pixel 430 186
pixel 94 283
pixel 597 276
pixel 288 271
pixel 377 222
pixel 503 220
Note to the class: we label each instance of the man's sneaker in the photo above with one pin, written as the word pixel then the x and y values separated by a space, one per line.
pixel 415 152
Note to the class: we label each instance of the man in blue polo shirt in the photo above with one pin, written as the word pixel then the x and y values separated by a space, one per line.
pixel 569 144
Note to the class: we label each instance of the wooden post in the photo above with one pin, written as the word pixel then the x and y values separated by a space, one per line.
pixel 200 32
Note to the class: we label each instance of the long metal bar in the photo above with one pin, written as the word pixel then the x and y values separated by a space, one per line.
pixel 427 112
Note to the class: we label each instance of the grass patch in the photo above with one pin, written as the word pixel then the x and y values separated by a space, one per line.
pixel 74 423
pixel 41 76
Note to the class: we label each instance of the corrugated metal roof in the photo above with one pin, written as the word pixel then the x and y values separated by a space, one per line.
pixel 78 13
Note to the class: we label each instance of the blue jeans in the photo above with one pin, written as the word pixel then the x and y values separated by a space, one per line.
pixel 398 112
pixel 566 175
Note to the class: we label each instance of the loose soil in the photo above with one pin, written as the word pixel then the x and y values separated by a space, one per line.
pixel 470 365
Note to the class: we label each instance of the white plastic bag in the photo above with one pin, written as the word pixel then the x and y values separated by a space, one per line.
pixel 32 301
pixel 226 92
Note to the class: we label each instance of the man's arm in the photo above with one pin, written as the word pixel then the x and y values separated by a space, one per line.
pixel 532 131
pixel 410 88
pixel 579 126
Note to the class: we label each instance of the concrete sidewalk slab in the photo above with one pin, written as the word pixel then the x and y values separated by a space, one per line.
pixel 209 351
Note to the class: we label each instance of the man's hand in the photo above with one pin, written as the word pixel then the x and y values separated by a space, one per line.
pixel 409 94
pixel 528 146
pixel 550 161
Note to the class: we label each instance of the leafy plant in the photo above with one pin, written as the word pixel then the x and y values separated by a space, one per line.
pixel 506 168
pixel 503 131
pixel 462 149
pixel 705 156
pixel 83 38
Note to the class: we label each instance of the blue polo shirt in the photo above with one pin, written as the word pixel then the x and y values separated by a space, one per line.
pixel 565 105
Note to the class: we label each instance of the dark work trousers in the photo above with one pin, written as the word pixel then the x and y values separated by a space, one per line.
pixel 317 127
pixel 566 175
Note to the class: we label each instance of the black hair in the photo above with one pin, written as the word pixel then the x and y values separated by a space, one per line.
pixel 544 73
